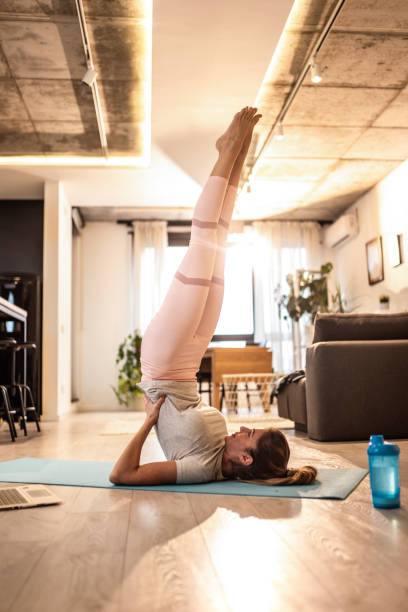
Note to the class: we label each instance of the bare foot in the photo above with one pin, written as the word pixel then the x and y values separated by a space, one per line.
pixel 235 174
pixel 237 131
pixel 247 140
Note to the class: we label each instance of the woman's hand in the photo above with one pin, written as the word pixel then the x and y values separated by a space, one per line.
pixel 152 410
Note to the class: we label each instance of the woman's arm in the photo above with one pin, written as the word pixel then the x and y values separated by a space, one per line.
pixel 127 469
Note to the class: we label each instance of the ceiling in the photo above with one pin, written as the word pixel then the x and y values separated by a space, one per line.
pixel 46 110
pixel 346 133
pixel 342 135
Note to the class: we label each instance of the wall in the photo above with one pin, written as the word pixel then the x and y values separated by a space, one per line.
pixel 56 303
pixel 21 222
pixel 103 282
pixel 382 211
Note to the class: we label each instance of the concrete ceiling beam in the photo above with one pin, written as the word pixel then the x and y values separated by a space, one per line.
pixel 338 106
pixel 66 99
pixel 37 50
pixel 381 143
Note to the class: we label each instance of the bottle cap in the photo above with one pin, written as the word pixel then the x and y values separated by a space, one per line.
pixel 377 446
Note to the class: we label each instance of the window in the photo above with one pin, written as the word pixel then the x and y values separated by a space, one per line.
pixel 236 322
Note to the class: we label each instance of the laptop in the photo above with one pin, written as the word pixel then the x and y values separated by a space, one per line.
pixel 26 496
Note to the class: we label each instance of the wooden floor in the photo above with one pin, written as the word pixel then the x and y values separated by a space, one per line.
pixel 133 551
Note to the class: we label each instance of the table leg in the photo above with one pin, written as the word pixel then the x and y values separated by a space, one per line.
pixel 216 395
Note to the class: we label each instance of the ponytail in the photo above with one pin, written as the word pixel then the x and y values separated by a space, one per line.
pixel 301 476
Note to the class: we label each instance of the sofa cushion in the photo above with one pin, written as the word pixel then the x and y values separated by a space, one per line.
pixel 364 326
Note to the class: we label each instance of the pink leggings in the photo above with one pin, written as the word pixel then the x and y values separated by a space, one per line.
pixel 178 335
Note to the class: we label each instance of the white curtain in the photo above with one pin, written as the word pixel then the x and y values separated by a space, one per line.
pixel 149 248
pixel 281 248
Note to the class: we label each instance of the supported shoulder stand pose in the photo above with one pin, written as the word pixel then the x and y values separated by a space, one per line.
pixel 192 434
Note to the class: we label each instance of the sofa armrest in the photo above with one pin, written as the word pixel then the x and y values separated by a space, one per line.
pixel 292 402
pixel 355 389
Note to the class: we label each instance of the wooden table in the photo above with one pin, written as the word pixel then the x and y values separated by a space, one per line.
pixel 257 359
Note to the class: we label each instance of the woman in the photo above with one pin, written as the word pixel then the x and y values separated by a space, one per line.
pixel 193 435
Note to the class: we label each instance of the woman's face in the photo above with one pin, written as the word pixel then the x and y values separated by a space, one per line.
pixel 236 444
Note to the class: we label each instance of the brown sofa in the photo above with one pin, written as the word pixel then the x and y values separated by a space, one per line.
pixel 356 379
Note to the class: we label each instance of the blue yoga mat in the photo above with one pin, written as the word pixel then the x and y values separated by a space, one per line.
pixel 330 483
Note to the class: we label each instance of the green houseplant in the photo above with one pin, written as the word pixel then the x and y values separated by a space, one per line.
pixel 130 369
pixel 313 295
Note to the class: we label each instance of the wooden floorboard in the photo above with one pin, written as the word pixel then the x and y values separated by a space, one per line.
pixel 167 565
pixel 122 551
pixel 256 566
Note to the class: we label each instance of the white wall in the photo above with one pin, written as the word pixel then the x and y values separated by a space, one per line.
pixel 103 286
pixel 56 384
pixel 383 211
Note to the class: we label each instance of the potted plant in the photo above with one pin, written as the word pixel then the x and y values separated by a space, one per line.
pixel 313 294
pixel 130 372
pixel 384 302
pixel 312 298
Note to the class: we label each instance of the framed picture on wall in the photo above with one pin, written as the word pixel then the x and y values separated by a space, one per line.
pixel 375 264
pixel 395 251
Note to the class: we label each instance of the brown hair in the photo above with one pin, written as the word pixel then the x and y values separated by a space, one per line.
pixel 270 463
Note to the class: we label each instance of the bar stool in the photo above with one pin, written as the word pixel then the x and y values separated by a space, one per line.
pixel 7 411
pixel 22 389
pixel 5 405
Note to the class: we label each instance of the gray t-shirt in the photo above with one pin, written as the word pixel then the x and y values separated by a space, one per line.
pixel 190 432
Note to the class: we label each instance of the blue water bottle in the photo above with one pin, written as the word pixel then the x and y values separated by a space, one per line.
pixel 383 460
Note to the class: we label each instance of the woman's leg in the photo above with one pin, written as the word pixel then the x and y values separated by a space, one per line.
pixel 209 319
pixel 169 348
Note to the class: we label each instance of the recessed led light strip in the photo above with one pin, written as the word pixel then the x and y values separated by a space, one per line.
pixel 147 123
pixel 42 160
pixel 316 77
pixel 92 83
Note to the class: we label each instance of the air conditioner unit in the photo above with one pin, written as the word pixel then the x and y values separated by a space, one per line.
pixel 345 227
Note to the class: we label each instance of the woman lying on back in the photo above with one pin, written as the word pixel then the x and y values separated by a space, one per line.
pixel 192 434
